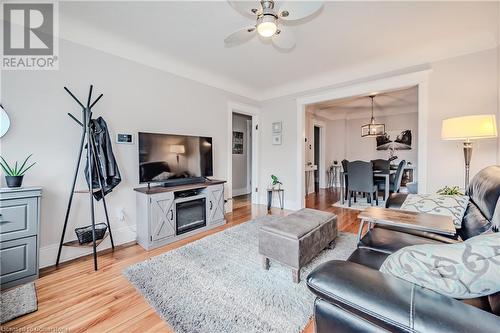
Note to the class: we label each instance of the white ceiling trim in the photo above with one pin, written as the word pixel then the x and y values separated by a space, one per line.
pixel 354 74
pixel 78 32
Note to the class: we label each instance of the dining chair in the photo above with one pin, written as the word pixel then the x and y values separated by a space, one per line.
pixel 346 178
pixel 360 175
pixel 381 165
pixel 395 179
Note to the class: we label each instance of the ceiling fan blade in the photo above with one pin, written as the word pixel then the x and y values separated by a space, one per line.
pixel 240 36
pixel 294 10
pixel 247 8
pixel 284 39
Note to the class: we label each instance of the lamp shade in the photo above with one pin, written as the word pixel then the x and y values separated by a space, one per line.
pixel 178 149
pixel 372 130
pixel 469 127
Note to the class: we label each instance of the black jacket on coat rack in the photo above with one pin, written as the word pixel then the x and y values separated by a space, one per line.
pixel 106 159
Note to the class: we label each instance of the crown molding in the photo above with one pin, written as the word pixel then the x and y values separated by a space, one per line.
pixel 76 31
pixel 362 72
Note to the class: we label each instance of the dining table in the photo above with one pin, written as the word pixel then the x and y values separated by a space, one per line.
pixel 376 173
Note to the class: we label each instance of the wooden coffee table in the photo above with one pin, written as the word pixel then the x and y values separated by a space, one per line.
pixel 404 219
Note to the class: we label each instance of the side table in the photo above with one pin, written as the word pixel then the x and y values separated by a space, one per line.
pixel 281 197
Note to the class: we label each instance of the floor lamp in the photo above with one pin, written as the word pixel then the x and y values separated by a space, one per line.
pixel 466 129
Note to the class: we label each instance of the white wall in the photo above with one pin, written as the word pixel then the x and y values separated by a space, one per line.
pixel 460 86
pixel 463 85
pixel 344 140
pixel 241 172
pixel 279 160
pixel 136 98
pixel 336 143
pixel 358 148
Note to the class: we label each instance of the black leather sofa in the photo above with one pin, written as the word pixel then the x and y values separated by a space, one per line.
pixel 353 296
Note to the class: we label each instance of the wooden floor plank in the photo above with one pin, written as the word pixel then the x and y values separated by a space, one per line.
pixel 75 298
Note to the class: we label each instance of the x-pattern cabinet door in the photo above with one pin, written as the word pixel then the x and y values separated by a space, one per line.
pixel 162 216
pixel 216 203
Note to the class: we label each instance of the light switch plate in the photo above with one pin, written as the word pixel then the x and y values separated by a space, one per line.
pixel 125 138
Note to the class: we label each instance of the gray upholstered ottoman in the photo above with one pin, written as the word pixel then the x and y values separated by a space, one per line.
pixel 295 239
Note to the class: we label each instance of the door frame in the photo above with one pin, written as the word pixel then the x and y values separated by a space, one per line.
pixel 322 151
pixel 254 112
pixel 419 78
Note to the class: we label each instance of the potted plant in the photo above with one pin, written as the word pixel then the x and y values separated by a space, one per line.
pixel 275 181
pixel 450 190
pixel 14 174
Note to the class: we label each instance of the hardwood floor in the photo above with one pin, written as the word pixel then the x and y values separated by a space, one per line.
pixel 242 201
pixel 75 298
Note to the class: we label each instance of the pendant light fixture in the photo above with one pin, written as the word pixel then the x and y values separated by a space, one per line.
pixel 372 129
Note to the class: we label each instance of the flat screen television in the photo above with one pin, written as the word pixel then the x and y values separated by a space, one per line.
pixel 174 159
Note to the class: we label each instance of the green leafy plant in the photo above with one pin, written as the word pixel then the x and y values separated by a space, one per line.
pixel 15 170
pixel 447 190
pixel 275 180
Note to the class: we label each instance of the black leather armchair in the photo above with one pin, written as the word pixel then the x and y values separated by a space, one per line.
pixel 353 296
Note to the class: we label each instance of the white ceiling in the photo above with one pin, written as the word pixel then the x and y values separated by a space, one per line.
pixel 384 104
pixel 343 40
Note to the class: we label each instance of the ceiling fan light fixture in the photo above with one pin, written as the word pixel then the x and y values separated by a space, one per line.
pixel 266 26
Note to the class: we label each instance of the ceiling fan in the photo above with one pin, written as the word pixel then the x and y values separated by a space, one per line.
pixel 270 17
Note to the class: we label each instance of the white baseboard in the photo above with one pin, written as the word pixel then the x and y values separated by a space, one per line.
pixel 228 206
pixel 241 191
pixel 289 204
pixel 48 253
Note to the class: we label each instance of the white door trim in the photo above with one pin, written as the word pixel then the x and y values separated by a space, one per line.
pixel 322 151
pixel 234 107
pixel 249 148
pixel 419 78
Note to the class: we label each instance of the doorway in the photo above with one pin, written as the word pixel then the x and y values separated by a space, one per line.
pixel 418 78
pixel 242 150
pixel 317 141
pixel 242 158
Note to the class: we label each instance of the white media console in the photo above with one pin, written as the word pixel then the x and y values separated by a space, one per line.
pixel 168 214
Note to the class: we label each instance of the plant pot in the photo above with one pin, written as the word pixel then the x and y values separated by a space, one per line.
pixel 14 181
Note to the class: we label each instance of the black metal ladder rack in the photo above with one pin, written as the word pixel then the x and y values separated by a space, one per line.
pixel 88 141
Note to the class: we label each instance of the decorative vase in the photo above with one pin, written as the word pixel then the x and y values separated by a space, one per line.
pixel 14 181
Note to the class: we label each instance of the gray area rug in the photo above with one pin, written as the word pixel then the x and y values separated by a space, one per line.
pixel 217 284
pixel 361 204
pixel 17 301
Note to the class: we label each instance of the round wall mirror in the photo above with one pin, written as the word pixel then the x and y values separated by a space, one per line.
pixel 4 121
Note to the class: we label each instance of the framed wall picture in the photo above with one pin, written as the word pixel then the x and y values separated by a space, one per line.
pixel 276 139
pixel 237 143
pixel 277 127
pixel 396 140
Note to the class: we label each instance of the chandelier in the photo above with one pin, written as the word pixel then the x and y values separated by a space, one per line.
pixel 372 129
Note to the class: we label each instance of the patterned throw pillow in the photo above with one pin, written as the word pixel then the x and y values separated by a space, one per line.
pixel 461 270
pixel 448 205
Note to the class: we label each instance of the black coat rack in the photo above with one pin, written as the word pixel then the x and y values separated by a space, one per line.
pixel 87 140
